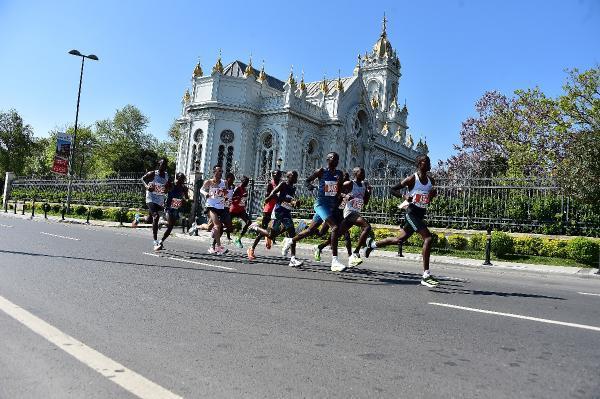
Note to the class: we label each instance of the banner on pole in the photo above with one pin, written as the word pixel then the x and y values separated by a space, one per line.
pixel 63 150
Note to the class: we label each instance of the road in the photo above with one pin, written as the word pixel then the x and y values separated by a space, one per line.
pixel 91 312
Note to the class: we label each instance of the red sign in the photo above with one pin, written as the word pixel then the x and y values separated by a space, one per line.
pixel 60 166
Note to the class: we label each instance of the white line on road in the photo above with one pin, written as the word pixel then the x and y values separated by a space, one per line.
pixel 516 316
pixel 191 261
pixel 116 372
pixel 5 225
pixel 588 293
pixel 59 236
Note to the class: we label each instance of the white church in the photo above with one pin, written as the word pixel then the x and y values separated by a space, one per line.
pixel 250 122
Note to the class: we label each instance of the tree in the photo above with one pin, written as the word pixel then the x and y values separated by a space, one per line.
pixel 38 162
pixel 16 142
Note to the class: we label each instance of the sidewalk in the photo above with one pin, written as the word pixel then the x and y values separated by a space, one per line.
pixel 408 257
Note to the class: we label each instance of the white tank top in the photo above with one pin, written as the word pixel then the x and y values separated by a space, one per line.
pixel 420 192
pixel 158 194
pixel 355 204
pixel 216 195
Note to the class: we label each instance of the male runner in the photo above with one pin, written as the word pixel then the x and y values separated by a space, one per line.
pixel 174 201
pixel 421 191
pixel 226 218
pixel 330 184
pixel 268 208
pixel 238 208
pixel 215 191
pixel 157 184
pixel 285 194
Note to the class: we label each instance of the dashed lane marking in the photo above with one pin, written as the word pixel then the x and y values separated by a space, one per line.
pixel 190 261
pixel 114 371
pixel 6 225
pixel 517 316
pixel 59 236
pixel 588 293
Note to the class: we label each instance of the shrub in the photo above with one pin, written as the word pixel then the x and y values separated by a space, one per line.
pixel 439 240
pixel 457 241
pixel 583 250
pixel 527 245
pixel 415 240
pixel 96 213
pixel 553 248
pixel 81 210
pixel 502 243
pixel 56 208
pixel 380 234
pixel 477 241
pixel 355 233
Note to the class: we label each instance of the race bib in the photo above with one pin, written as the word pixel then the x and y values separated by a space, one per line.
pixel 421 200
pixel 243 201
pixel 176 203
pixel 330 188
pixel 287 206
pixel 159 188
pixel 357 203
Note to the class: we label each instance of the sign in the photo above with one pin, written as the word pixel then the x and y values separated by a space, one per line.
pixel 63 150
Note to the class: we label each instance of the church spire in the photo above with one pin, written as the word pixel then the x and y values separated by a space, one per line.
pixel 249 72
pixel 302 84
pixel 218 68
pixel 291 81
pixel 198 70
pixel 323 86
pixel 262 76
pixel 339 84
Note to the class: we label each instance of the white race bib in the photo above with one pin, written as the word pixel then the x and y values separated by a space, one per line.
pixel 176 203
pixel 330 188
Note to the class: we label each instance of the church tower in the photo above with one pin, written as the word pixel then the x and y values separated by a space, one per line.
pixel 381 72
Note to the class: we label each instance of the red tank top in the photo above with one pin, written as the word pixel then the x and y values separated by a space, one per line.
pixel 238 204
pixel 269 206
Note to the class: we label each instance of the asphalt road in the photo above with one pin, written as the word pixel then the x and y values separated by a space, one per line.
pixel 91 312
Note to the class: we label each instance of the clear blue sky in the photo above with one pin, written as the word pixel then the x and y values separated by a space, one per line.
pixel 451 51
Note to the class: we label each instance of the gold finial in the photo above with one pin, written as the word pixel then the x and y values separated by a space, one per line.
pixel 198 70
pixel 385 130
pixel 302 84
pixel 249 72
pixel 339 85
pixel 291 81
pixel 262 76
pixel 218 65
pixel 324 87
pixel 186 96
pixel 383 32
pixel 375 102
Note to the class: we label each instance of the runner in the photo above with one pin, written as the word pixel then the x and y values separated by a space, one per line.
pixel 157 184
pixel 226 219
pixel 268 209
pixel 215 191
pixel 285 195
pixel 175 199
pixel 238 208
pixel 330 183
pixel 421 191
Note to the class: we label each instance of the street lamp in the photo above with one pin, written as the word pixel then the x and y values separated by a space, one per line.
pixel 70 172
pixel 278 163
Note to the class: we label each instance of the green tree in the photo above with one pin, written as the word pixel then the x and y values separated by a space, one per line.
pixel 38 162
pixel 16 142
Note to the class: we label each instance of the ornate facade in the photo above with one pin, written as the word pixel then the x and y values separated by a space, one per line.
pixel 250 122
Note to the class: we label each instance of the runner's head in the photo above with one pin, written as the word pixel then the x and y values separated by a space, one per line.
pixel 276 174
pixel 292 177
pixel 245 181
pixel 217 172
pixel 423 163
pixel 359 173
pixel 162 164
pixel 180 178
pixel 229 178
pixel 346 177
pixel 332 160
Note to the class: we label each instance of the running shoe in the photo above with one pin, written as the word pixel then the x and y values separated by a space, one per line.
pixel 366 251
pixel 221 250
pixel 250 253
pixel 212 250
pixel 287 244
pixel 253 226
pixel 238 242
pixel 317 253
pixel 429 281
pixel 268 242
pixel 354 260
pixel 337 266
pixel 158 246
pixel 295 262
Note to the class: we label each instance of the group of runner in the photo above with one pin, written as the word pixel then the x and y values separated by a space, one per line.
pixel 338 205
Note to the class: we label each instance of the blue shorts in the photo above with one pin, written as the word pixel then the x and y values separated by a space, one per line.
pixel 322 212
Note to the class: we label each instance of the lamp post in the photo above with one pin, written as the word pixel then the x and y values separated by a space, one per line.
pixel 278 163
pixel 70 171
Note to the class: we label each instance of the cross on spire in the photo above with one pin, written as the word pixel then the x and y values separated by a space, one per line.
pixel 384 23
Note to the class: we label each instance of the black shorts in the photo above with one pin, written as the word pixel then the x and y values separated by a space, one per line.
pixel 264 223
pixel 338 215
pixel 222 214
pixel 173 213
pixel 351 218
pixel 153 207
pixel 239 215
pixel 415 219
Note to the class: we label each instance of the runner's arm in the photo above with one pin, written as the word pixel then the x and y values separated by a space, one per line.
pixel 204 188
pixel 275 191
pixel 433 193
pixel 146 179
pixel 309 179
pixel 398 188
pixel 368 190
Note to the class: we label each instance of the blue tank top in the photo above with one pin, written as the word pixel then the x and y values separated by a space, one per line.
pixel 327 193
pixel 175 198
pixel 284 199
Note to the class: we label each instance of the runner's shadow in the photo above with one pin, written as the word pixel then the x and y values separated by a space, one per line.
pixel 449 290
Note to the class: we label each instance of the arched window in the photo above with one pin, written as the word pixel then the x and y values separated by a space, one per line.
pixel 312 157
pixel 193 159
pixel 266 154
pixel 226 150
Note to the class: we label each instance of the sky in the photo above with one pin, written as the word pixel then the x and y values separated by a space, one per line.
pixel 451 52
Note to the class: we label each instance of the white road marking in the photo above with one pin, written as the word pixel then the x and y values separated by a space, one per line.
pixel 5 225
pixel 59 236
pixel 516 316
pixel 114 371
pixel 191 261
pixel 588 293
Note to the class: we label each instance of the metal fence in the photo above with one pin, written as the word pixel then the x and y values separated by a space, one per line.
pixel 528 205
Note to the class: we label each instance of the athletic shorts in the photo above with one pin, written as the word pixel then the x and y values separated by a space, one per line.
pixel 153 207
pixel 264 223
pixel 240 215
pixel 282 223
pixel 415 220
pixel 322 212
pixel 222 214
pixel 173 213
pixel 352 217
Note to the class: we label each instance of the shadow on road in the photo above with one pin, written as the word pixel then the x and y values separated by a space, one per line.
pixel 321 271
